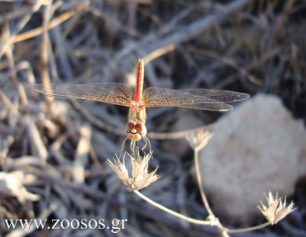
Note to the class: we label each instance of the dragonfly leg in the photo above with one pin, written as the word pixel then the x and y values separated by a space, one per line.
pixel 122 147
pixel 137 147
pixel 134 149
pixel 147 144
pixel 132 145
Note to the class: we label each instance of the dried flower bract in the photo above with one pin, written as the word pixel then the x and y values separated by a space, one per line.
pixel 199 138
pixel 138 176
pixel 276 209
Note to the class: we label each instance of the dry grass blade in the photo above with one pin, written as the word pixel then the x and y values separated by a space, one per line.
pixel 22 23
pixel 81 155
pixel 11 184
pixel 55 22
pixel 37 145
pixel 45 44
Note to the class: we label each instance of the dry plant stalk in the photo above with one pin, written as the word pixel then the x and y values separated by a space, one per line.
pixel 44 57
pixel 136 177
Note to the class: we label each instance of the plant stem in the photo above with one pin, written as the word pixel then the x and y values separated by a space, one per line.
pixel 200 183
pixel 211 215
pixel 257 227
pixel 221 228
pixel 171 212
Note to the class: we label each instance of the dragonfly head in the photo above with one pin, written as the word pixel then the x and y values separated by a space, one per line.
pixel 136 131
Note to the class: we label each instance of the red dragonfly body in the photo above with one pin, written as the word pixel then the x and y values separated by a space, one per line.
pixel 138 100
pixel 137 111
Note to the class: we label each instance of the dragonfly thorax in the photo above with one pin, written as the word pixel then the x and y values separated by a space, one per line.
pixel 137 105
pixel 137 114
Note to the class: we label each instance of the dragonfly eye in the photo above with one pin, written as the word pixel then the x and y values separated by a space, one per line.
pixel 131 126
pixel 138 127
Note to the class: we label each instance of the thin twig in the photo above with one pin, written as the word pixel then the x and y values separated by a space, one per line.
pixel 200 182
pixel 7 102
pixel 23 22
pixel 177 135
pixel 39 30
pixel 45 56
pixel 148 44
pixel 171 212
pixel 248 229
pixel 159 52
pixel 12 67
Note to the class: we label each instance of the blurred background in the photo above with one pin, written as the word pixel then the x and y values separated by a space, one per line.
pixel 53 152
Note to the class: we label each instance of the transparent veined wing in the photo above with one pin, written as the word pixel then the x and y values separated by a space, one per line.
pixel 203 99
pixel 110 93
pixel 219 95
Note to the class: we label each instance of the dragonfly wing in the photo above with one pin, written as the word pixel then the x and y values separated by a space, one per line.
pixel 111 93
pixel 157 97
pixel 219 95
pixel 221 107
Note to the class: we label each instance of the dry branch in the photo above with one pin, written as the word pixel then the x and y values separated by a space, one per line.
pixel 149 44
pixel 37 146
pixel 22 23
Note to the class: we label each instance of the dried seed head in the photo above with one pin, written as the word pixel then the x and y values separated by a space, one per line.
pixel 276 209
pixel 199 138
pixel 138 177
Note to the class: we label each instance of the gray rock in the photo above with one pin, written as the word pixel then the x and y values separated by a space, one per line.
pixel 257 148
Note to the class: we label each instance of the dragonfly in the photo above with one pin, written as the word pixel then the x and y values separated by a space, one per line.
pixel 139 99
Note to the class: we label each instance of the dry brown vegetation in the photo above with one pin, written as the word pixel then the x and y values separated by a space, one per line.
pixel 57 149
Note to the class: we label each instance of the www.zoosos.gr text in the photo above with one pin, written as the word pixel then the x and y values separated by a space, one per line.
pixel 115 226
